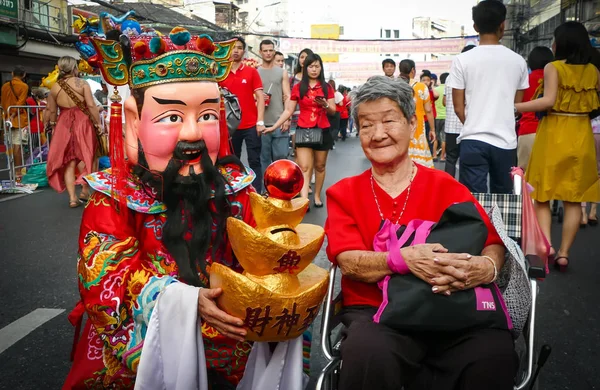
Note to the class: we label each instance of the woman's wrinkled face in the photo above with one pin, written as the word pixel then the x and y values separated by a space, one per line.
pixel 385 133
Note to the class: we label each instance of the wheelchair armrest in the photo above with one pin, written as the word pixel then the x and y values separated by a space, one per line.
pixel 537 267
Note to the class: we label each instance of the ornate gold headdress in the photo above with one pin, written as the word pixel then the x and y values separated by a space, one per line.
pixel 150 60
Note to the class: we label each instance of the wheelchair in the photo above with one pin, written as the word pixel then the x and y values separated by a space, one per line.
pixel 510 206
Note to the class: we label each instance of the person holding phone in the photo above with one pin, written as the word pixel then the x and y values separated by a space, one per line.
pixel 315 98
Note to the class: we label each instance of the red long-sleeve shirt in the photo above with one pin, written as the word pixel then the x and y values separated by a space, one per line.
pixel 353 218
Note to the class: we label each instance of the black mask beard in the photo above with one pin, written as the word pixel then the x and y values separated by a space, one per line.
pixel 188 200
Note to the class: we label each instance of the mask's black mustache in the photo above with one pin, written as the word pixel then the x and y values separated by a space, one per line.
pixel 185 151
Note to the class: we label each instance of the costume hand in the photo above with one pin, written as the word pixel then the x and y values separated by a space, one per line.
pixel 227 325
pixel 475 272
pixel 260 129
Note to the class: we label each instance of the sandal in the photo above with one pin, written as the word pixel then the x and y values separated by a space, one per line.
pixel 74 204
pixel 561 267
pixel 552 256
pixel 592 221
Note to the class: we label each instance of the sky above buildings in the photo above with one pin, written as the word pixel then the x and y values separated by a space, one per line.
pixel 399 14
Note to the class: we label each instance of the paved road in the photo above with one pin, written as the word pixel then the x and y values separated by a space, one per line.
pixel 38 242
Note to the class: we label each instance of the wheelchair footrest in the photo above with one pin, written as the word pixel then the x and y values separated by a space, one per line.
pixel 537 267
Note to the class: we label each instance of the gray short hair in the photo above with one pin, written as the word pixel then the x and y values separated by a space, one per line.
pixel 379 87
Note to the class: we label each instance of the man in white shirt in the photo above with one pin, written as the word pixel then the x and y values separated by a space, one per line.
pixel 452 127
pixel 486 82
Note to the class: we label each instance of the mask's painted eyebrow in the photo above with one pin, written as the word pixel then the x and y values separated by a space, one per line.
pixel 168 101
pixel 215 100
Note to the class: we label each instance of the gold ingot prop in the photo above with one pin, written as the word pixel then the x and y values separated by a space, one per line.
pixel 279 293
pixel 270 315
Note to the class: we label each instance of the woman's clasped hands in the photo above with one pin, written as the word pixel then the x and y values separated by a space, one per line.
pixel 447 272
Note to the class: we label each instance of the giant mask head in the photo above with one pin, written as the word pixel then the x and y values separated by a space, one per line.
pixel 174 133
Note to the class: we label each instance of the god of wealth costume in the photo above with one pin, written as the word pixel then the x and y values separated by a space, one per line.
pixel 158 221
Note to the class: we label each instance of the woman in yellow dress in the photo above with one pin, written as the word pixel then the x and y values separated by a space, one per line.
pixel 562 165
pixel 419 150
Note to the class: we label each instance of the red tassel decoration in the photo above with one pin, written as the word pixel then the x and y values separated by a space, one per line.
pixel 117 153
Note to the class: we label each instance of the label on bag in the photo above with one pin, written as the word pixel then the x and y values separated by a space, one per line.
pixel 485 299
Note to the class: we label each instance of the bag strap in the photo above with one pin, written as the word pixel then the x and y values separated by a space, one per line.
pixel 81 105
pixel 422 231
pixel 13 90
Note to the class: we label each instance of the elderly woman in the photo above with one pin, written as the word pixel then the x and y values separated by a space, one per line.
pixel 398 190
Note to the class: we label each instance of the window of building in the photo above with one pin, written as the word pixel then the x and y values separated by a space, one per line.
pixel 396 34
pixel 388 33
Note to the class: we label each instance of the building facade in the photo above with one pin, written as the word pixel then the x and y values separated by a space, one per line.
pixel 531 23
pixel 34 34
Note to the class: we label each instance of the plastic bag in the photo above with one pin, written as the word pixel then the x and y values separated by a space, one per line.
pixel 36 175
pixel 39 154
pixel 534 241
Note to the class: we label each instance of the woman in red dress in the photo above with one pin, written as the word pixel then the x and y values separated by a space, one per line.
pixel 73 135
pixel 315 98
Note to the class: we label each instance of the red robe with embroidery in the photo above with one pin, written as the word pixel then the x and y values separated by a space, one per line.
pixel 122 268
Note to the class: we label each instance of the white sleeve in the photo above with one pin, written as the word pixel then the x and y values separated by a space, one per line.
pixel 457 79
pixel 173 353
pixel 524 80
pixel 338 97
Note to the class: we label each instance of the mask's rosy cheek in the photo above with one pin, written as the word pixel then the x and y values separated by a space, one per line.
pixel 211 136
pixel 158 141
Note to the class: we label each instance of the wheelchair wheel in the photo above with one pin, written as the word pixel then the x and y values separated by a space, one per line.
pixel 561 214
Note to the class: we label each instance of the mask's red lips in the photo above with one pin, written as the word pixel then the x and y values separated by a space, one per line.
pixel 192 162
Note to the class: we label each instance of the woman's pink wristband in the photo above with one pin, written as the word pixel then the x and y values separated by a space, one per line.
pixel 396 262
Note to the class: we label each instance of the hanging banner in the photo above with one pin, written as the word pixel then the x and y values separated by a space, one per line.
pixel 439 46
pixel 376 66
pixel 358 73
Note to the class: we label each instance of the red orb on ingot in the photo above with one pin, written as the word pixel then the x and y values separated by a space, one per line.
pixel 283 179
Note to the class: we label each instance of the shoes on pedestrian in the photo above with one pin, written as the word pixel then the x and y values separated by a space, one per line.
pixel 561 267
pixel 593 221
pixel 584 221
pixel 318 205
pixel 74 204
